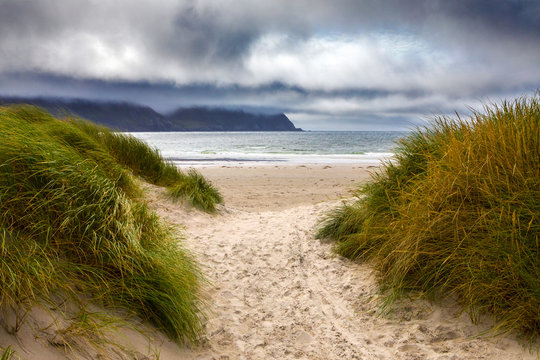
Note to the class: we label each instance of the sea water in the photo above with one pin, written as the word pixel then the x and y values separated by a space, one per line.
pixel 260 148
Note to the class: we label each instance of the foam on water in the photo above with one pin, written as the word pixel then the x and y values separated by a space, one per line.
pixel 267 148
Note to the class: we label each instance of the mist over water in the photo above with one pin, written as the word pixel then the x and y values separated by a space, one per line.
pixel 244 148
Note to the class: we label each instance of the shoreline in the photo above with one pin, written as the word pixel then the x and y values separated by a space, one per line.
pixel 263 148
pixel 269 160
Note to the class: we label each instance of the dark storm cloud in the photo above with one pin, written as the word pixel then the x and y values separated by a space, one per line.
pixel 214 34
pixel 199 36
pixel 387 60
pixel 382 106
pixel 167 96
pixel 520 18
pixel 220 31
pixel 24 18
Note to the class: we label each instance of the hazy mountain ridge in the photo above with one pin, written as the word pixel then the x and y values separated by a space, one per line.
pixel 204 119
pixel 126 116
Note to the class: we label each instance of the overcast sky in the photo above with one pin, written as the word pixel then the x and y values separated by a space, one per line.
pixel 340 64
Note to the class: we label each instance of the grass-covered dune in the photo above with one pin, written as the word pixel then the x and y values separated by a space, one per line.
pixel 457 212
pixel 72 222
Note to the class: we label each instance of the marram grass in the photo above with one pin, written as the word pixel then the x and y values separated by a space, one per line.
pixel 199 192
pixel 71 221
pixel 7 353
pixel 147 163
pixel 457 211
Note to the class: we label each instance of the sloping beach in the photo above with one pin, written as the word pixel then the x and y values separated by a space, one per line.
pixel 277 293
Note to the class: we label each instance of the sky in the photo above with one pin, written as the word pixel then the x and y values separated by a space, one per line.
pixel 328 65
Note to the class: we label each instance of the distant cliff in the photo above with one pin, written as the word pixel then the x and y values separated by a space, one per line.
pixel 133 117
pixel 204 119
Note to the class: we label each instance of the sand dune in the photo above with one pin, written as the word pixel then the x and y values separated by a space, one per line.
pixel 276 293
pixel 279 294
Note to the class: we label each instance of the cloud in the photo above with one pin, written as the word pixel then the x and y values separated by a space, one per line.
pixel 383 59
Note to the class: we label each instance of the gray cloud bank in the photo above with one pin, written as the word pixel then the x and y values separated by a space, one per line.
pixel 339 64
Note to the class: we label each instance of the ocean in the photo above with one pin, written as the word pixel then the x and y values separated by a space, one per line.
pixel 265 148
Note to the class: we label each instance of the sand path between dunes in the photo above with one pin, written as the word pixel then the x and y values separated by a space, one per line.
pixel 279 294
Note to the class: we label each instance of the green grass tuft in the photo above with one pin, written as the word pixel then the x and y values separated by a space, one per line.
pixel 71 221
pixel 457 211
pixel 146 162
pixel 7 353
pixel 198 191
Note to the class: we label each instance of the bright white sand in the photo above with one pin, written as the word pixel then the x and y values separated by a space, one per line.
pixel 277 293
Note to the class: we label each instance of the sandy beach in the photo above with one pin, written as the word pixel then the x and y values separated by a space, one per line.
pixel 190 180
pixel 280 187
pixel 279 294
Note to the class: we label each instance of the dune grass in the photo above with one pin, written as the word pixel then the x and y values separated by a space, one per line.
pixel 7 353
pixel 134 154
pixel 72 222
pixel 147 163
pixel 457 211
pixel 199 192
